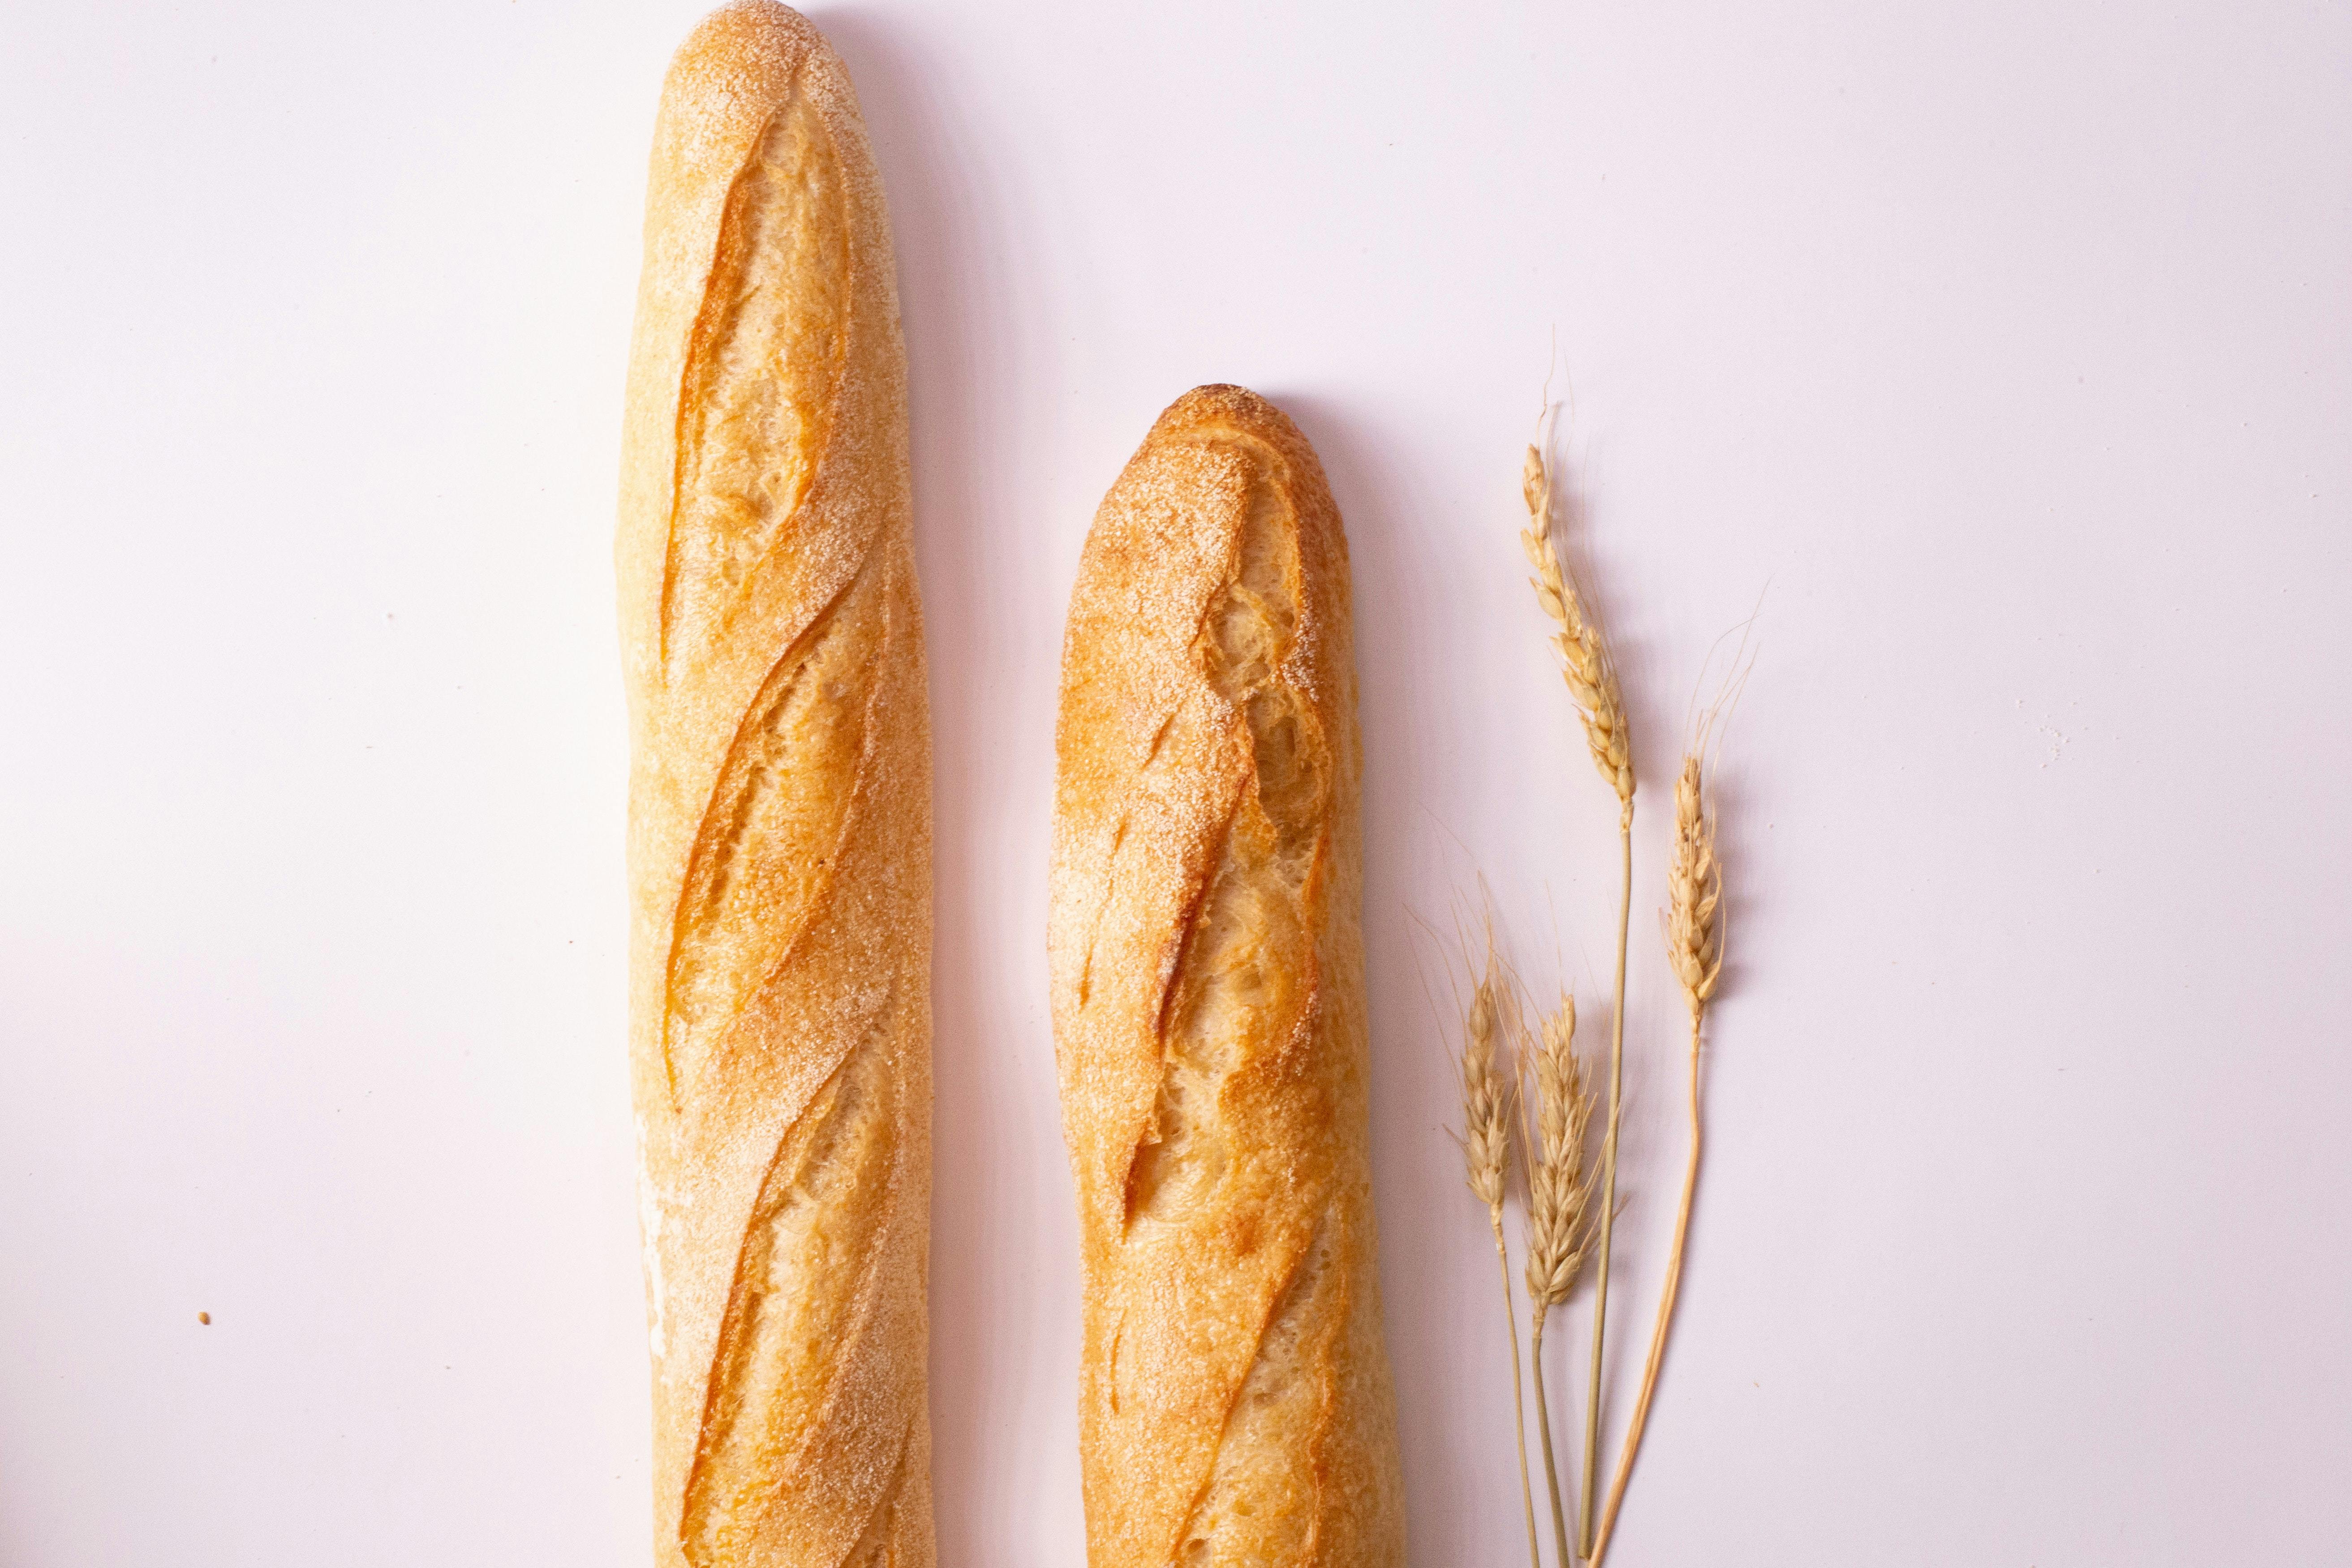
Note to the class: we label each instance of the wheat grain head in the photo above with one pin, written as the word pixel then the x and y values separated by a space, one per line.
pixel 1590 673
pixel 1695 889
pixel 1486 1120
pixel 1560 1188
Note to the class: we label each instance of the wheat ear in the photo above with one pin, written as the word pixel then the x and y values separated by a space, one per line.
pixel 1695 948
pixel 1486 1147
pixel 1559 1196
pixel 1591 676
pixel 1590 673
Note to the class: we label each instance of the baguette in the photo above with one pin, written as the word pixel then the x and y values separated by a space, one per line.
pixel 1209 1014
pixel 779 823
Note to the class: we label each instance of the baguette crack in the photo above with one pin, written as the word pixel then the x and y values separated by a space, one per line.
pixel 779 812
pixel 1286 1392
pixel 1240 990
pixel 804 1294
pixel 1118 842
pixel 878 1547
pixel 763 370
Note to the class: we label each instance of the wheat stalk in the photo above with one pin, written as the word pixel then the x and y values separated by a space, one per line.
pixel 1592 676
pixel 1695 948
pixel 1560 1194
pixel 1486 1147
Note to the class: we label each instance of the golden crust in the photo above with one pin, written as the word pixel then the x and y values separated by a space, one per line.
pixel 779 822
pixel 1208 1014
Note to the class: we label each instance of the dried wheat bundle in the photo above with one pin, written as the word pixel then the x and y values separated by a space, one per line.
pixel 1571 1197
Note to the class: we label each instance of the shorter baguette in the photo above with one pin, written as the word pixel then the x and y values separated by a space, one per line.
pixel 1209 1012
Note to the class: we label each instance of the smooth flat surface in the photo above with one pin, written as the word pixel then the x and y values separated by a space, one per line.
pixel 2004 351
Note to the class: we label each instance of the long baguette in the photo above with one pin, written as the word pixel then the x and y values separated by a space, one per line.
pixel 779 823
pixel 1209 1012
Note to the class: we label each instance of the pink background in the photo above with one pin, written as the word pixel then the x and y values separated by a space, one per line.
pixel 2002 352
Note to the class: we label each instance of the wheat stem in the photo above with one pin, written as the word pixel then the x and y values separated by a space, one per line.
pixel 1607 1174
pixel 1518 1401
pixel 1695 948
pixel 1657 1335
pixel 1543 1425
